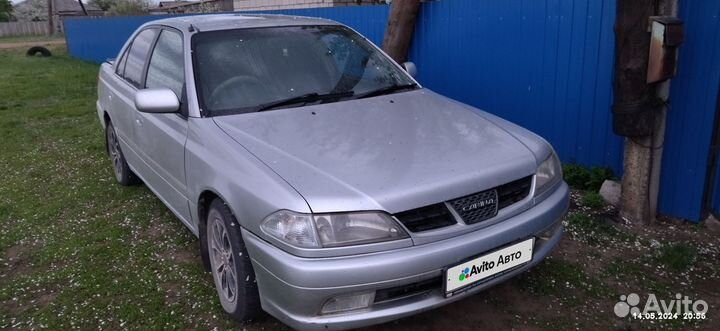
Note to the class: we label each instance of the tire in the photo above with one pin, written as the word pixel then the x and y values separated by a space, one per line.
pixel 227 254
pixel 122 171
pixel 32 51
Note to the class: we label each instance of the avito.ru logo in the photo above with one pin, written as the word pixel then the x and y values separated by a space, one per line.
pixel 682 307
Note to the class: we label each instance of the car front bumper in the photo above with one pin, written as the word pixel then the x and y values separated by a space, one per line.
pixel 294 289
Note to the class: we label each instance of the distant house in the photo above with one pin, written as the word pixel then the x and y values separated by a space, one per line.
pixel 201 6
pixel 70 8
pixel 197 6
pixel 64 8
pixel 243 5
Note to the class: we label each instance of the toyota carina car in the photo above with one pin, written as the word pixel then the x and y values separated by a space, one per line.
pixel 326 185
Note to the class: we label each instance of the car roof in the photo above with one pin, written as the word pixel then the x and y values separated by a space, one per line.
pixel 215 22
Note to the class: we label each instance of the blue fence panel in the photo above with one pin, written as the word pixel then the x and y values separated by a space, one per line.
pixel 98 39
pixel 544 64
pixel 693 97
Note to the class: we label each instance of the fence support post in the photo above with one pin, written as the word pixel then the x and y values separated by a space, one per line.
pixel 400 27
pixel 642 161
pixel 51 24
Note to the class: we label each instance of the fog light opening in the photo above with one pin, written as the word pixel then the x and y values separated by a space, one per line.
pixel 549 232
pixel 348 302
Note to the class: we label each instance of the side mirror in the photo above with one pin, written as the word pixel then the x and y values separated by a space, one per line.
pixel 411 69
pixel 160 100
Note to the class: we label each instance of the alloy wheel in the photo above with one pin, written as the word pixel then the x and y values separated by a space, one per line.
pixel 115 156
pixel 223 261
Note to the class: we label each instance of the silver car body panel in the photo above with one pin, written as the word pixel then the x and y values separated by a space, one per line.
pixel 393 153
pixel 389 153
pixel 284 277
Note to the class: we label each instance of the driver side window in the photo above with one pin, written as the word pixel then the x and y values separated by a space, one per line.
pixel 166 69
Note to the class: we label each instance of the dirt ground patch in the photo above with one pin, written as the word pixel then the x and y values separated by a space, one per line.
pixel 16 260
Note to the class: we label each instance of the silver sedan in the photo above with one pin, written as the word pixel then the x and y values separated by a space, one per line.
pixel 326 185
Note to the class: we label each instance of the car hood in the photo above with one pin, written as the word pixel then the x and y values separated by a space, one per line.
pixel 393 153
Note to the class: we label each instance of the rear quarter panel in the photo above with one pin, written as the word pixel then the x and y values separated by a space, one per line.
pixel 103 92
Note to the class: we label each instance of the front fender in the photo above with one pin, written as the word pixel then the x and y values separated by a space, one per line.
pixel 215 162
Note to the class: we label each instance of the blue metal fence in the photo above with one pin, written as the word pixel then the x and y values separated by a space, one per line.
pixel 693 98
pixel 544 64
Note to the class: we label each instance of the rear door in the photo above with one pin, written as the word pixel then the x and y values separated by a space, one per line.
pixel 161 137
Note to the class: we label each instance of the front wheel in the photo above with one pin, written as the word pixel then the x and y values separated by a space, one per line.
pixel 230 264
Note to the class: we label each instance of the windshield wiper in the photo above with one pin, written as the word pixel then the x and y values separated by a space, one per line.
pixel 304 99
pixel 386 90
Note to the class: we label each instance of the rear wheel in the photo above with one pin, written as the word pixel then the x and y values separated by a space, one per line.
pixel 230 264
pixel 122 171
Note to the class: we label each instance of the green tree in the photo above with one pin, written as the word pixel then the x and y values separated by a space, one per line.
pixel 104 5
pixel 128 7
pixel 6 10
pixel 31 10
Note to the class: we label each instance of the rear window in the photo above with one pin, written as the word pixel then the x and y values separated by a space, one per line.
pixel 137 55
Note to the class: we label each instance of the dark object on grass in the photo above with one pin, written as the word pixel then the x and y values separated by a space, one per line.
pixel 582 178
pixel 38 49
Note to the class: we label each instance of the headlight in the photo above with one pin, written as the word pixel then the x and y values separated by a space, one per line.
pixel 332 230
pixel 547 173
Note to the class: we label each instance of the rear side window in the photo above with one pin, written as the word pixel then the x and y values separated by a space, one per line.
pixel 137 55
pixel 166 63
pixel 120 66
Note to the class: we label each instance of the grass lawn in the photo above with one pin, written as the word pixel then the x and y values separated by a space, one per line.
pixel 78 251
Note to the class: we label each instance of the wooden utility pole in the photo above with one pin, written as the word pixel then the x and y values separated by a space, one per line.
pixel 400 27
pixel 51 24
pixel 632 92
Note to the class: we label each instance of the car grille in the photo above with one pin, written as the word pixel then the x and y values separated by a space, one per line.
pixel 472 208
pixel 476 207
pixel 514 191
pixel 426 218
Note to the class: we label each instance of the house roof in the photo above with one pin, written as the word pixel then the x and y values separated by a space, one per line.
pixel 63 6
pixel 169 5
pixel 173 4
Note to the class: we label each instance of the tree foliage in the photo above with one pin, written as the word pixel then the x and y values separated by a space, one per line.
pixel 128 7
pixel 6 10
pixel 31 10
pixel 104 5
pixel 205 7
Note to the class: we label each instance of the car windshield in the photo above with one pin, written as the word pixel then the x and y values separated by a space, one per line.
pixel 246 70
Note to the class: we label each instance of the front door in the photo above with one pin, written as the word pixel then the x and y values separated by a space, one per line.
pixel 161 137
